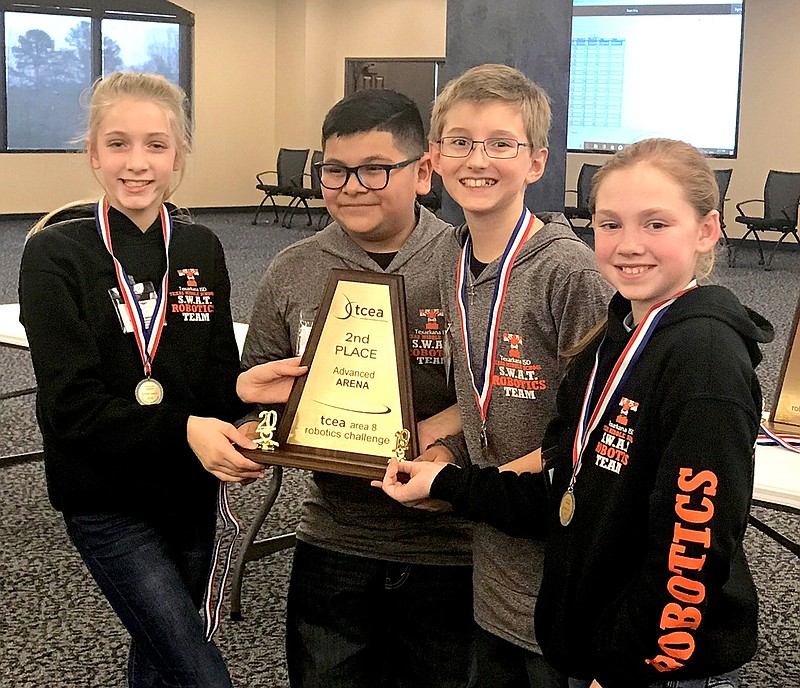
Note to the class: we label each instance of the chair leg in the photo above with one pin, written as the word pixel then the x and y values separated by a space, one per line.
pixel 252 550
pixel 760 248
pixel 258 210
pixel 726 243
pixel 275 210
pixel 17 459
pixel 308 211
pixel 739 244
pixel 286 222
pixel 768 265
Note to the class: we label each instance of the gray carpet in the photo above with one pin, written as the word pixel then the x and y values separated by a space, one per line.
pixel 56 630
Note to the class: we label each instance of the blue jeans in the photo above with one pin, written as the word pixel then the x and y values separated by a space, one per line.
pixel 729 680
pixel 353 622
pixel 497 663
pixel 154 577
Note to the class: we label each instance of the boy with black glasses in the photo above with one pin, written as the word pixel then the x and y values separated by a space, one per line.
pixel 359 554
pixel 518 291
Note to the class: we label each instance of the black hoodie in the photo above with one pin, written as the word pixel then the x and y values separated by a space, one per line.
pixel 649 580
pixel 103 451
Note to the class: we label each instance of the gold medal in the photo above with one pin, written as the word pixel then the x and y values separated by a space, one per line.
pixel 149 392
pixel 566 509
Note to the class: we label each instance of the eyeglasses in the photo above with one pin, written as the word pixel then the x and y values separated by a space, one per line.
pixel 461 147
pixel 372 176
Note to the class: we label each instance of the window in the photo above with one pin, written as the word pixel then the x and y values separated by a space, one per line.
pixel 52 54
pixel 143 46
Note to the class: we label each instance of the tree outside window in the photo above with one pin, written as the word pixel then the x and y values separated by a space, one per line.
pixel 49 61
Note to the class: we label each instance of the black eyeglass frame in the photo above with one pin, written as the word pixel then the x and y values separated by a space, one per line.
pixel 520 144
pixel 387 168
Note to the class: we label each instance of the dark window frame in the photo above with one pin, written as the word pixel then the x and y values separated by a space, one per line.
pixel 159 11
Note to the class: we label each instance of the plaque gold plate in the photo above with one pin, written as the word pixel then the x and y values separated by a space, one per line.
pixel 353 410
pixel 785 413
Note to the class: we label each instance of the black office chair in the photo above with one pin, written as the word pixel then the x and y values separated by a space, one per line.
pixel 723 182
pixel 289 176
pixel 781 198
pixel 580 211
pixel 303 194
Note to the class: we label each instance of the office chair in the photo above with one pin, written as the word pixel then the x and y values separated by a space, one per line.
pixel 289 176
pixel 723 182
pixel 580 211
pixel 781 198
pixel 303 194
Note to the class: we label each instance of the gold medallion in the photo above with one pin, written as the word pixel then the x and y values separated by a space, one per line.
pixel 149 392
pixel 566 509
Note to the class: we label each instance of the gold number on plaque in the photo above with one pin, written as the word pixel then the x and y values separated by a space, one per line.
pixel 403 437
pixel 269 421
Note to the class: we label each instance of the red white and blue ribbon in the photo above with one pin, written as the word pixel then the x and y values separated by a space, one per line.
pixel 587 422
pixel 147 336
pixel 482 378
pixel 767 438
pixel 220 567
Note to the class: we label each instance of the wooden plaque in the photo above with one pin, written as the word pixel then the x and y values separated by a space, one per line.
pixel 785 413
pixel 353 410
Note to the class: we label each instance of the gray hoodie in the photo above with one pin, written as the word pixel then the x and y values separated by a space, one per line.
pixel 555 295
pixel 341 513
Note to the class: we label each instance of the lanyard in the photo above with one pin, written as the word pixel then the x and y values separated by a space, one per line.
pixel 147 337
pixel 588 421
pixel 767 437
pixel 482 379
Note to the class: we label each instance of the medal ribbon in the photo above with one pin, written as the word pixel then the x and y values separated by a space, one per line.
pixel 587 422
pixel 483 390
pixel 220 566
pixel 769 438
pixel 147 338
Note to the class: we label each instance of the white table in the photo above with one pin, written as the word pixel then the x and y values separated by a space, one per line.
pixel 777 486
pixel 12 335
pixel 777 478
pixel 240 332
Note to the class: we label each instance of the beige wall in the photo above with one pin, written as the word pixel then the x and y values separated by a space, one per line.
pixel 267 71
pixel 769 118
pixel 315 37
pixel 234 98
